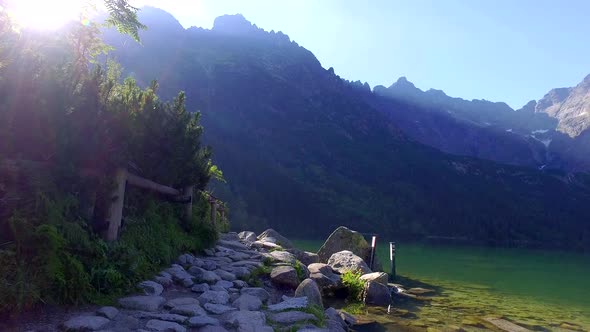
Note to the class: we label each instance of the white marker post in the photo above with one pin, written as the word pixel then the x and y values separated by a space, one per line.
pixel 373 245
pixel 392 261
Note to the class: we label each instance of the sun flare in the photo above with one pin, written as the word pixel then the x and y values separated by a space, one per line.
pixel 44 14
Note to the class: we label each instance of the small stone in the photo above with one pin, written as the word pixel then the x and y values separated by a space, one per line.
pixel 247 302
pixel 200 321
pixel 225 284
pixel 186 259
pixel 261 293
pixel 164 281
pixel 187 282
pixel 217 309
pixel 85 323
pixel 240 284
pixel 188 310
pixel 218 288
pixel 163 326
pixel 225 275
pixel 108 312
pixel 292 317
pixel 145 303
pixel 151 287
pixel 217 297
pixel 200 288
pixel 181 301
pixel 289 303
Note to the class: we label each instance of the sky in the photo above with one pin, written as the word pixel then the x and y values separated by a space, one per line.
pixel 499 50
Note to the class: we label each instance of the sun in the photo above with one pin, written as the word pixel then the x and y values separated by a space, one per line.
pixel 44 14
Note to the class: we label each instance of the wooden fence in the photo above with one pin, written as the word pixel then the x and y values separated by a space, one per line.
pixel 122 179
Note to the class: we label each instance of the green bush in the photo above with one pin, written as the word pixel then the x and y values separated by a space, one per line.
pixel 354 285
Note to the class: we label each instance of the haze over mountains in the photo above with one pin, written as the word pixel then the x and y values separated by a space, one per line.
pixel 304 150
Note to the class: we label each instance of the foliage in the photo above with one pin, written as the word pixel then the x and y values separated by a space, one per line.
pixel 354 285
pixel 254 278
pixel 355 308
pixel 73 126
pixel 298 266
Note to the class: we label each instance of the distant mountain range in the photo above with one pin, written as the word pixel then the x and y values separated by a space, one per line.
pixel 550 133
pixel 305 151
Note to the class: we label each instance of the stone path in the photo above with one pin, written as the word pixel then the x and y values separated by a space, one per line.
pixel 206 293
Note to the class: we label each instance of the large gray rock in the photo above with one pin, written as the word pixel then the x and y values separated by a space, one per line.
pixel 224 284
pixel 270 235
pixel 334 315
pixel 234 245
pixel 291 317
pixel 345 260
pixel 244 321
pixel 85 323
pixel 163 326
pixel 218 309
pixel 344 239
pixel 217 297
pixel 151 287
pixel 178 273
pixel 200 288
pixel 225 275
pixel 108 312
pixel 200 321
pixel 247 236
pixel 377 294
pixel 247 302
pixel 145 303
pixel 203 275
pixel 289 303
pixel 260 293
pixel 380 277
pixel 310 289
pixel 284 276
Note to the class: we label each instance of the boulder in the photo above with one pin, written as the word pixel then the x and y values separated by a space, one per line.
pixel 380 277
pixel 108 312
pixel 200 288
pixel 284 276
pixel 244 321
pixel 200 321
pixel 164 326
pixel 377 294
pixel 247 236
pixel 240 284
pixel 247 302
pixel 203 275
pixel 310 289
pixel 260 293
pixel 234 245
pixel 344 239
pixel 270 235
pixel 151 287
pixel 225 275
pixel 218 309
pixel 345 260
pixel 289 303
pixel 217 297
pixel 333 315
pixel 224 284
pixel 145 303
pixel 85 323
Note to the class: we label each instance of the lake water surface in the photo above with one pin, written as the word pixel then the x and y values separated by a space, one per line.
pixel 542 290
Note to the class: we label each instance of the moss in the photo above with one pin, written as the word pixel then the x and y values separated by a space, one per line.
pixel 298 266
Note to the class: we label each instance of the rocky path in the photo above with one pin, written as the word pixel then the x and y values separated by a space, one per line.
pixel 208 293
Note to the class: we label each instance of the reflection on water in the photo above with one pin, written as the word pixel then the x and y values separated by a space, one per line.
pixel 541 290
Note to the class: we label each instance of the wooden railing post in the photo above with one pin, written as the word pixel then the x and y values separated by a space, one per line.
pixel 188 208
pixel 116 206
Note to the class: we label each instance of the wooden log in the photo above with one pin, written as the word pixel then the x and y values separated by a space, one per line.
pixel 140 182
pixel 116 206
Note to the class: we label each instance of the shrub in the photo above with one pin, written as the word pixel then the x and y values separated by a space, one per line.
pixel 354 285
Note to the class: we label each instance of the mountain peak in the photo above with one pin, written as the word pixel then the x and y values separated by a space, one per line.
pixel 403 83
pixel 233 24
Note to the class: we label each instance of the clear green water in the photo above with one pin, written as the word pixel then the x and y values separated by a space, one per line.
pixel 538 289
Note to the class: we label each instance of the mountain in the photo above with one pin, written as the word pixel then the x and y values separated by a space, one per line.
pixel 548 133
pixel 304 150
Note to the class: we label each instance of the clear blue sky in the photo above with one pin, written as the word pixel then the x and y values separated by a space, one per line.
pixel 499 50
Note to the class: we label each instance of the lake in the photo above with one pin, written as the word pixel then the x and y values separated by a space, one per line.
pixel 542 290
